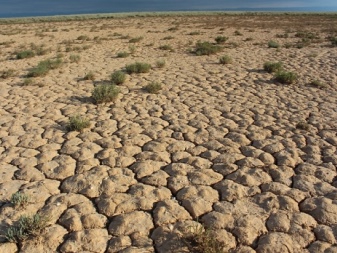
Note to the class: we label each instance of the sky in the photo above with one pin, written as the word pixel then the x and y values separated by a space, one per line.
pixel 54 7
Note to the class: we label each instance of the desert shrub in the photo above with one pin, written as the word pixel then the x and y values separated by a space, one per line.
pixel 221 39
pixel 27 226
pixel 138 67
pixel 25 54
pixel 105 93
pixel 203 240
pixel 333 41
pixel 153 87
pixel 89 76
pixel 225 59
pixel 273 44
pixel 285 77
pixel 122 54
pixel 19 199
pixel 166 47
pixel 28 81
pixel 135 40
pixel 272 67
pixel 206 48
pixel 44 66
pixel 132 49
pixel 78 123
pixel 237 33
pixel 83 37
pixel 194 33
pixel 7 73
pixel 318 84
pixel 74 58
pixel 160 63
pixel 168 38
pixel 118 77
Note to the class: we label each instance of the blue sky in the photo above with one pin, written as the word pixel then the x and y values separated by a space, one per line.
pixel 50 7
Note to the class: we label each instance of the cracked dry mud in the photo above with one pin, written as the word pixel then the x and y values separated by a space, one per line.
pixel 217 146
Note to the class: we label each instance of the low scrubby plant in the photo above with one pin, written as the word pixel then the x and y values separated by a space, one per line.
pixel 28 81
pixel 153 87
pixel 318 84
pixel 27 226
pixel 333 41
pixel 221 39
pixel 7 73
pixel 225 59
pixel 166 47
pixel 19 200
pixel 123 54
pixel 237 33
pixel 272 67
pixel 138 67
pixel 118 77
pixel 203 240
pixel 44 66
pixel 168 38
pixel 206 48
pixel 74 58
pixel 89 76
pixel 83 37
pixel 160 63
pixel 273 44
pixel 25 54
pixel 135 40
pixel 303 125
pixel 105 93
pixel 78 123
pixel 132 49
pixel 285 77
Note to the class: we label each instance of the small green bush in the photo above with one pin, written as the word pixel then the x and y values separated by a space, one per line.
pixel 135 40
pixel 27 226
pixel 118 77
pixel 318 84
pixel 25 54
pixel 153 87
pixel 226 59
pixel 28 81
pixel 273 44
pixel 285 77
pixel 166 47
pixel 78 123
pixel 19 199
pixel 74 58
pixel 132 49
pixel 160 63
pixel 206 48
pixel 105 93
pixel 237 33
pixel 122 54
pixel 89 76
pixel 272 67
pixel 138 67
pixel 44 66
pixel 194 33
pixel 83 37
pixel 303 125
pixel 221 39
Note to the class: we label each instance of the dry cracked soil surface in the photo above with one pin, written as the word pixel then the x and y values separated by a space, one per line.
pixel 225 147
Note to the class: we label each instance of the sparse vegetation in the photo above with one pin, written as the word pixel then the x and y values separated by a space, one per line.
pixel 272 67
pixel 89 76
pixel 168 38
pixel 138 67
pixel 221 39
pixel 237 33
pixel 194 33
pixel 105 93
pixel 78 123
pixel 203 240
pixel 153 87
pixel 27 226
pixel 28 81
pixel 160 63
pixel 44 66
pixel 166 47
pixel 19 199
pixel 285 77
pixel 333 41
pixel 206 48
pixel 226 59
pixel 25 54
pixel 83 37
pixel 132 49
pixel 318 84
pixel 118 77
pixel 7 73
pixel 135 40
pixel 122 54
pixel 74 58
pixel 273 44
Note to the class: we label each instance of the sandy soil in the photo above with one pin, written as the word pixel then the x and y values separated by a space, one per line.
pixel 223 146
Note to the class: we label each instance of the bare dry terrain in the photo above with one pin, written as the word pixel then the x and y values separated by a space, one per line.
pixel 223 158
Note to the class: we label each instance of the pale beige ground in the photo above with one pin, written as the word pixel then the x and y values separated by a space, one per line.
pixel 218 145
